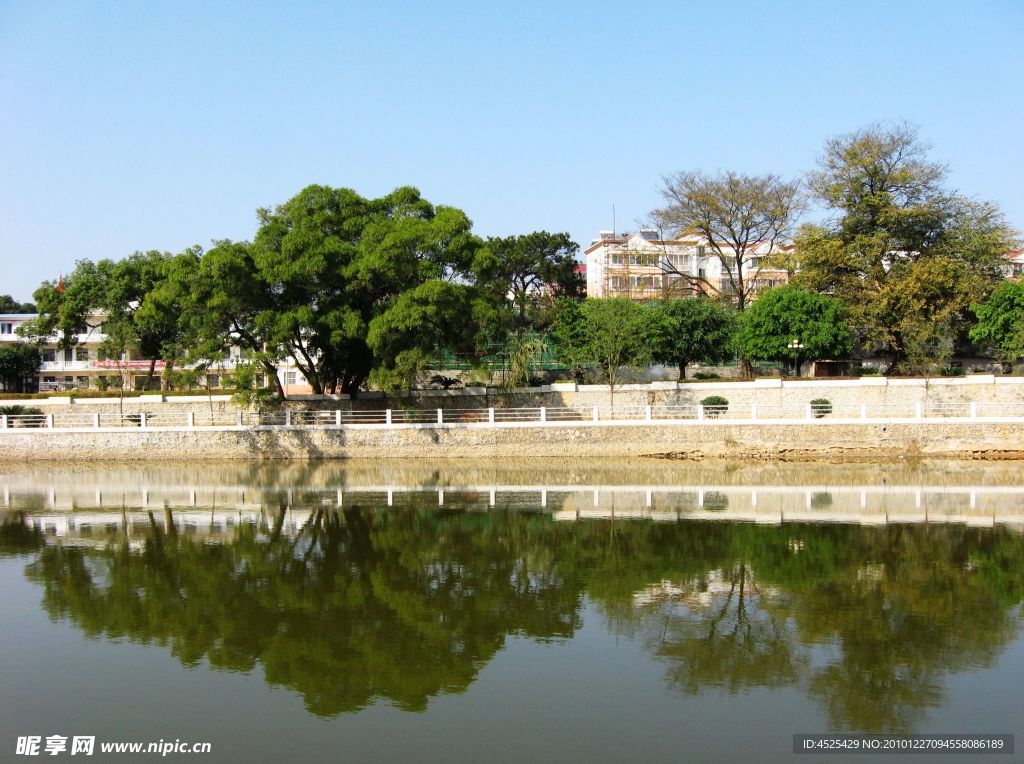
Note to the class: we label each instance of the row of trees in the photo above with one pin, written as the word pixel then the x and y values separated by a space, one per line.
pixel 907 256
pixel 356 290
pixel 787 325
pixel 350 289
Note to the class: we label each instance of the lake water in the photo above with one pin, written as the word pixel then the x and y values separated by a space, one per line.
pixel 480 611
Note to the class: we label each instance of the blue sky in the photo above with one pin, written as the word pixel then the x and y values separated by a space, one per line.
pixel 146 125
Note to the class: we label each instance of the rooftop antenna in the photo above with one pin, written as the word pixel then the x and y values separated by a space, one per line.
pixel 614 231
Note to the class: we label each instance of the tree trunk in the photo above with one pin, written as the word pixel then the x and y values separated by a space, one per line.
pixel 746 369
pixel 682 369
pixel 271 371
pixel 149 375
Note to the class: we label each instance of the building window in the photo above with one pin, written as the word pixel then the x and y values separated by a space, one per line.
pixel 48 355
pixel 616 259
pixel 213 380
pixel 81 354
pixel 290 378
pixel 6 327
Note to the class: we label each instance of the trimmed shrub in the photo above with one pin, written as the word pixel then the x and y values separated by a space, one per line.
pixel 821 407
pixel 706 375
pixel 714 406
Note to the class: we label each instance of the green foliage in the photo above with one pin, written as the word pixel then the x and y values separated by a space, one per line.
pixel 422 320
pixel 1001 321
pixel 525 274
pixel 907 257
pixel 691 329
pixel 19 366
pixel 338 282
pixel 249 394
pixel 610 334
pixel 787 315
pixel 9 305
pixel 714 406
pixel 706 375
pixel 715 400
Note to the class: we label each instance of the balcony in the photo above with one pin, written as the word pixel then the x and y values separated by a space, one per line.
pixel 68 366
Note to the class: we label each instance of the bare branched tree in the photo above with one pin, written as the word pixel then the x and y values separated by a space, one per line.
pixel 743 219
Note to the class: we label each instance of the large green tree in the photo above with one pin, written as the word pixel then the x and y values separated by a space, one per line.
pixel 691 329
pixel 528 272
pixel 326 264
pixel 610 334
pixel 1001 321
pixel 792 324
pixel 134 299
pixel 898 228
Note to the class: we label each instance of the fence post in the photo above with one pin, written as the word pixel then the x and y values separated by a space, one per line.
pixel 753 411
pixel 3 421
pixel 142 419
pixel 918 410
pixel 387 417
pixel 974 410
pixel 490 415
pixel 543 414
pixel 863 411
pixel 648 414
pixel 49 421
pixel 238 418
pixel 96 420
pixel 597 414
pixel 440 416
pixel 700 411
pixel 337 417
pixel 810 411
pixel 288 419
pixel 191 419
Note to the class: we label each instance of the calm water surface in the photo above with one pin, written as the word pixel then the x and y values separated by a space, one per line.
pixel 650 611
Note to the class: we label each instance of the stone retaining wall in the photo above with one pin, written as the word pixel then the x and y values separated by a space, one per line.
pixel 760 392
pixel 818 441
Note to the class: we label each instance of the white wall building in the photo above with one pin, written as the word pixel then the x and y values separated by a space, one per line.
pixel 81 367
pixel 642 266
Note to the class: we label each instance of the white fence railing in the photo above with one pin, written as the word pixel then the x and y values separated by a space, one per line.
pixel 532 416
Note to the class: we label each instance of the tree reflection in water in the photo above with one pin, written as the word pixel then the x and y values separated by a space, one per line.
pixel 370 603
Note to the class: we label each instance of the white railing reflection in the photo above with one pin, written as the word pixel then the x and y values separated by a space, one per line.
pixel 69 510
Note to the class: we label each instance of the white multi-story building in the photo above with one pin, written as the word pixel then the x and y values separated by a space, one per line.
pixel 643 266
pixel 82 367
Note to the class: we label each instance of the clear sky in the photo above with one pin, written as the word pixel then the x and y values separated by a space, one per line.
pixel 156 125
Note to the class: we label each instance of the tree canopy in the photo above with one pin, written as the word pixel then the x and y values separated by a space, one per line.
pixel 1001 321
pixel 691 329
pixel 9 305
pixel 897 230
pixel 789 323
pixel 19 365
pixel 611 334
pixel 743 219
